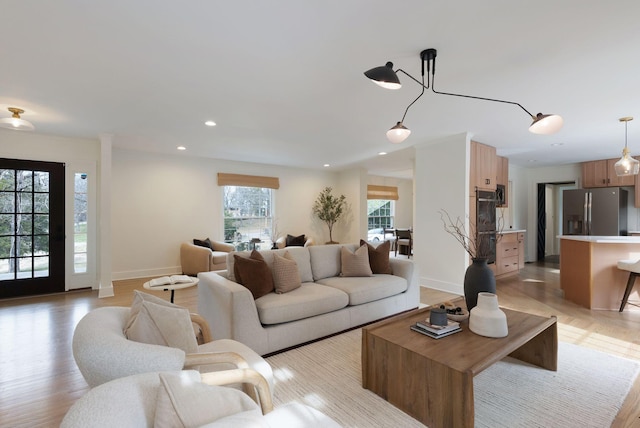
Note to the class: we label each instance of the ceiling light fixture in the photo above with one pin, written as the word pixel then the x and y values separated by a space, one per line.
pixel 210 123
pixel 626 165
pixel 385 77
pixel 15 122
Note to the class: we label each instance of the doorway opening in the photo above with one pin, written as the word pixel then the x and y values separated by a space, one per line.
pixel 549 223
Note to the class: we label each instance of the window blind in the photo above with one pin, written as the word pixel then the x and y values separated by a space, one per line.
pixel 225 179
pixel 382 192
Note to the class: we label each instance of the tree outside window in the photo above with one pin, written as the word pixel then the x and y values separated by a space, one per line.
pixel 248 215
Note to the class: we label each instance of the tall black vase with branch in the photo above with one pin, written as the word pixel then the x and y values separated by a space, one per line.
pixel 478 277
pixel 329 209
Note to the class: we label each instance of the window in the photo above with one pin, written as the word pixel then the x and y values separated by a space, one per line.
pixel 80 223
pixel 248 216
pixel 380 213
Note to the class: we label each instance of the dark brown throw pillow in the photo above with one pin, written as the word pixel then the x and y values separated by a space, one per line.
pixel 254 274
pixel 295 241
pixel 203 243
pixel 379 257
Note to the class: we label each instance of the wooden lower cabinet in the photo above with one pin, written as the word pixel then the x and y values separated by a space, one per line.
pixel 509 254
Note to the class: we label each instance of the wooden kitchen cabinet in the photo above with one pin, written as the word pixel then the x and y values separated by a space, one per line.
pixel 509 254
pixel 503 177
pixel 483 169
pixel 520 250
pixel 602 173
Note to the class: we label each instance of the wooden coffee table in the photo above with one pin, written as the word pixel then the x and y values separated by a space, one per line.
pixel 432 380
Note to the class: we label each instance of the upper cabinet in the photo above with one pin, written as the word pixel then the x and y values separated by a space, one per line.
pixel 601 173
pixel 503 180
pixel 483 171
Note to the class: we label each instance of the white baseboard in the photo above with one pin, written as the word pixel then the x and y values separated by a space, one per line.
pixel 442 286
pixel 146 273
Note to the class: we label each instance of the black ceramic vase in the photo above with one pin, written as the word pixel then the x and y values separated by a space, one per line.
pixel 478 278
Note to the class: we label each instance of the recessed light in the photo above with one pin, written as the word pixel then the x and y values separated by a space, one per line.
pixel 532 160
pixel 556 144
pixel 181 148
pixel 326 165
pixel 382 153
pixel 210 123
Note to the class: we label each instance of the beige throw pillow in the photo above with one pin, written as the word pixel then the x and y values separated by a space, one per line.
pixel 355 264
pixel 163 325
pixel 285 273
pixel 184 401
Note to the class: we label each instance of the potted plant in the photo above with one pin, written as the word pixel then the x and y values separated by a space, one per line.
pixel 479 277
pixel 329 209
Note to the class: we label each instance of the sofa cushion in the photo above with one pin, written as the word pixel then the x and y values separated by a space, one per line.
pixel 355 263
pixel 285 273
pixel 184 401
pixel 325 260
pixel 367 289
pixel 307 301
pixel 379 257
pixel 299 254
pixel 203 243
pixel 254 273
pixel 295 241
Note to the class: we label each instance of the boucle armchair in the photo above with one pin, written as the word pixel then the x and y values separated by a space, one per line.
pixel 188 399
pixel 288 240
pixel 103 352
pixel 195 258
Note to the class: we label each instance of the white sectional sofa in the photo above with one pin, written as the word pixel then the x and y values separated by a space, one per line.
pixel 325 304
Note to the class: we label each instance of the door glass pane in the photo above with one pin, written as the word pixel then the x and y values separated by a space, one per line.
pixel 25 203
pixel 25 267
pixel 41 243
pixel 7 179
pixel 41 203
pixel 25 224
pixel 40 181
pixel 41 224
pixel 7 202
pixel 41 266
pixel 7 224
pixel 6 246
pixel 25 181
pixel 24 246
pixel 80 216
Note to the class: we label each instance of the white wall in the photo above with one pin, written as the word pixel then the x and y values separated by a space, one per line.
pixel 160 201
pixel 441 182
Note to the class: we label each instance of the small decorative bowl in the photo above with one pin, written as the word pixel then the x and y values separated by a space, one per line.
pixel 460 315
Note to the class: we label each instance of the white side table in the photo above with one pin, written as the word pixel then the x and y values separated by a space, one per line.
pixel 172 287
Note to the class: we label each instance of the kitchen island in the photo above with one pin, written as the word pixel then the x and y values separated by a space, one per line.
pixel 589 275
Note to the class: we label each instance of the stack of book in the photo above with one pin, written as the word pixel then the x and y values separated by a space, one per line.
pixel 436 331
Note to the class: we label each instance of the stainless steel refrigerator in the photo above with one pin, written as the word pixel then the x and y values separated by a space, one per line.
pixel 597 212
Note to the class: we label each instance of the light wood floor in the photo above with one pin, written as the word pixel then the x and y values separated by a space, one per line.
pixel 39 380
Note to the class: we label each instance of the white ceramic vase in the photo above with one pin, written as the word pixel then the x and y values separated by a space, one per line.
pixel 486 318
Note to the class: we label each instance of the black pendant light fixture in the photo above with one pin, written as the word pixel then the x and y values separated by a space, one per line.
pixel 386 77
pixel 626 165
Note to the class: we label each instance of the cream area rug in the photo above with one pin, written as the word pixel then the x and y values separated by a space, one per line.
pixel 587 390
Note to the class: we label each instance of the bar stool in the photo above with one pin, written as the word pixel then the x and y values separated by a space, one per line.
pixel 633 266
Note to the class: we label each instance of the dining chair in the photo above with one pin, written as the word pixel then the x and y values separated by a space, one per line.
pixel 404 239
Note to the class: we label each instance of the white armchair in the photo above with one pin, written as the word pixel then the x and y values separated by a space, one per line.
pixel 159 399
pixel 103 352
pixel 195 259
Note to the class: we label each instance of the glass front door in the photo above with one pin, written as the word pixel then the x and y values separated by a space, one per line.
pixel 31 227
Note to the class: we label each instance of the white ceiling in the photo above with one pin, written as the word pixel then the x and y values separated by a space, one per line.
pixel 284 78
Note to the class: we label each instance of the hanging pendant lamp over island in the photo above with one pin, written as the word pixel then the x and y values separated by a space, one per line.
pixel 626 165
pixel 387 78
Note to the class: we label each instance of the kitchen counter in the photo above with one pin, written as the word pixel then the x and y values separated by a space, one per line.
pixel 589 275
